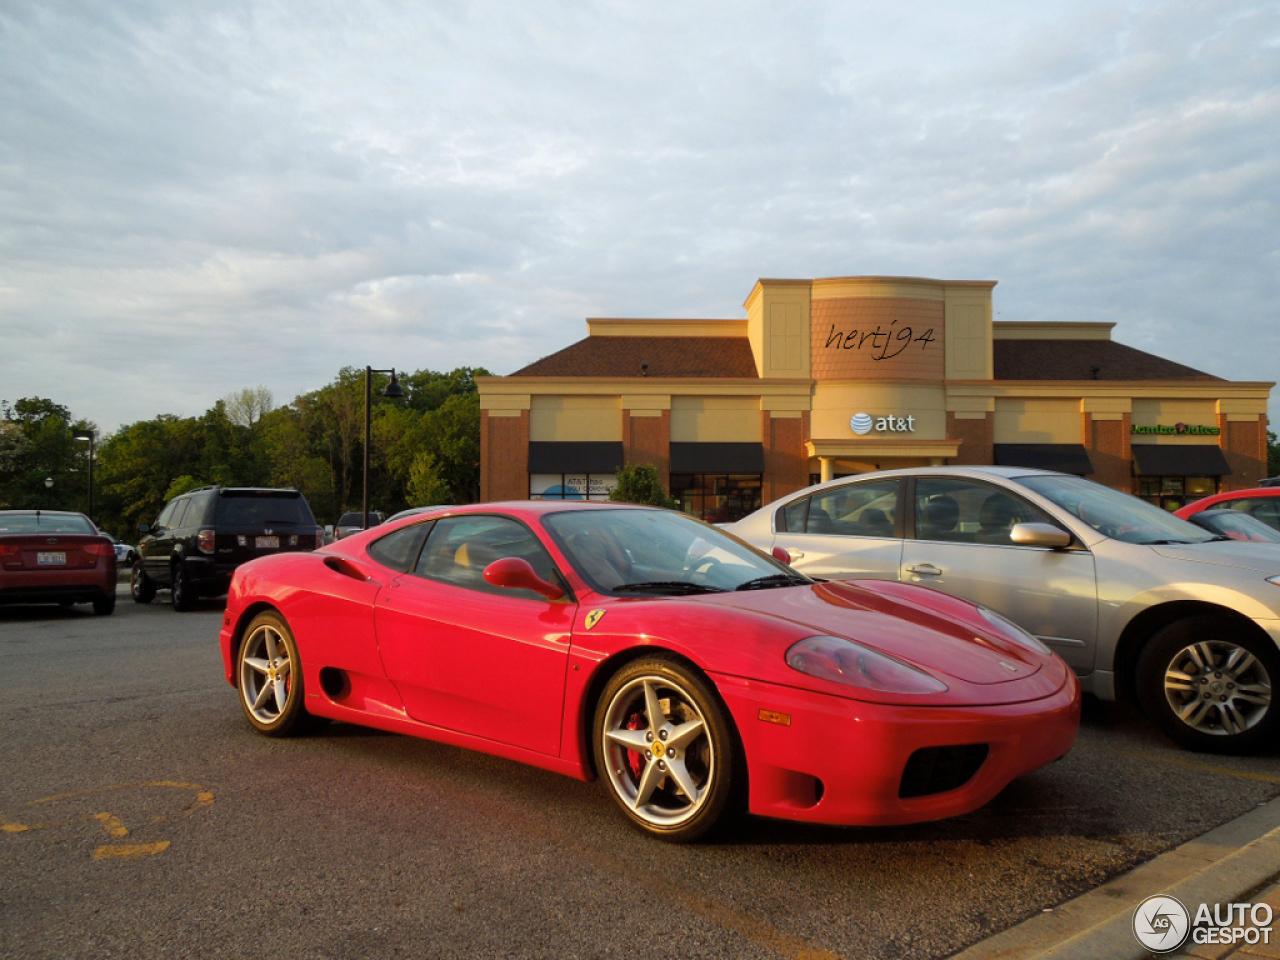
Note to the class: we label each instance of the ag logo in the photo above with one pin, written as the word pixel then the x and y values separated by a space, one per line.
pixel 1161 924
pixel 594 617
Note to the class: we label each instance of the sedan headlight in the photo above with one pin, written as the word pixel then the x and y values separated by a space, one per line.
pixel 843 661
pixel 1012 632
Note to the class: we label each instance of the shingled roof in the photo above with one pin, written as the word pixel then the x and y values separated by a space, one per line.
pixel 614 357
pixel 1079 359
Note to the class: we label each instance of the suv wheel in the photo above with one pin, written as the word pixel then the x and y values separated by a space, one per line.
pixel 141 586
pixel 1207 684
pixel 181 594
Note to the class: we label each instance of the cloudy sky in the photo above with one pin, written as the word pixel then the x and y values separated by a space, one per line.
pixel 199 197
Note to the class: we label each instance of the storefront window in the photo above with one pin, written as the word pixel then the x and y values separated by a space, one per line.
pixel 717 498
pixel 571 486
pixel 1172 493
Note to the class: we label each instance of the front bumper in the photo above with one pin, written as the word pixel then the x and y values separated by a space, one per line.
pixel 841 762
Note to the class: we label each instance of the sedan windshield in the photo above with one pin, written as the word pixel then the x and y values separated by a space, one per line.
pixel 659 552
pixel 1119 516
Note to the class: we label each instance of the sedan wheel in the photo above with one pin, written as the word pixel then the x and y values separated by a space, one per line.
pixel 664 750
pixel 270 676
pixel 1210 688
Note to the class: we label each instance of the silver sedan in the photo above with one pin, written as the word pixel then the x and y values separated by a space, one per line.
pixel 1144 606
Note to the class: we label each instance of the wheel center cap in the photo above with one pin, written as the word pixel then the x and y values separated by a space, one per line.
pixel 659 748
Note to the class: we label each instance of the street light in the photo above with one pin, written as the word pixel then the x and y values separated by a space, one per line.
pixel 48 484
pixel 393 390
pixel 87 435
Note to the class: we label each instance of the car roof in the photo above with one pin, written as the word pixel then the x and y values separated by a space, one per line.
pixel 974 471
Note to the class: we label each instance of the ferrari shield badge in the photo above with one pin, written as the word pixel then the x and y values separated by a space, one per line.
pixel 594 617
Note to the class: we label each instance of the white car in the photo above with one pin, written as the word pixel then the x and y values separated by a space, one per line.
pixel 1144 606
pixel 125 554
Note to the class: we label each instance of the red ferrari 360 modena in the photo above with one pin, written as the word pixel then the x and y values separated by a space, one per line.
pixel 695 676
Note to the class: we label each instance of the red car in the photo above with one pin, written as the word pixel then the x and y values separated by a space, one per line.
pixel 695 676
pixel 1261 502
pixel 48 556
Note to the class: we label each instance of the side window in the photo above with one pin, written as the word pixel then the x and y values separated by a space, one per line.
pixel 855 510
pixel 167 514
pixel 180 512
pixel 1266 509
pixel 399 550
pixel 793 516
pixel 459 548
pixel 965 511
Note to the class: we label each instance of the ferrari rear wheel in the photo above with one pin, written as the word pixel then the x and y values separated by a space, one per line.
pixel 270 675
pixel 664 750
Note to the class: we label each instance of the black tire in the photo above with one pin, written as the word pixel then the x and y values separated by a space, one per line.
pixel 181 595
pixel 647 768
pixel 104 606
pixel 269 678
pixel 142 587
pixel 1207 682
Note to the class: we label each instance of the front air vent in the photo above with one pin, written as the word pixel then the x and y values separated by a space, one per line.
pixel 939 769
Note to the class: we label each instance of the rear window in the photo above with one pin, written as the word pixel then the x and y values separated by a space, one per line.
pixel 263 508
pixel 45 523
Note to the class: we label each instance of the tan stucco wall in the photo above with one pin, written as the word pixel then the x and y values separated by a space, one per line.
pixel 715 419
pixel 835 403
pixel 1037 420
pixel 581 419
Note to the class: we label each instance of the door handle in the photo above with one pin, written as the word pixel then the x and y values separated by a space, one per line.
pixel 796 554
pixel 924 570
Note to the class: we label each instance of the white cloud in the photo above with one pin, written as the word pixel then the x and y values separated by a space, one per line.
pixel 195 199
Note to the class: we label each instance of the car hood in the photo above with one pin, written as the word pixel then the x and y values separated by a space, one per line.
pixel 913 624
pixel 1244 554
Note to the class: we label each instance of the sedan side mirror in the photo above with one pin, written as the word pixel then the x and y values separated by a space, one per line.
pixel 144 528
pixel 517 574
pixel 1039 535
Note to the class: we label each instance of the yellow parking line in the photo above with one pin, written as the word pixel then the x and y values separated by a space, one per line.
pixel 1191 765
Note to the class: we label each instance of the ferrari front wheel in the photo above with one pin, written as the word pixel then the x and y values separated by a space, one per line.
pixel 270 676
pixel 665 751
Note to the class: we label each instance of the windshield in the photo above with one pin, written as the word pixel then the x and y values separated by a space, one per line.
pixel 1236 525
pixel 263 508
pixel 635 552
pixel 1119 516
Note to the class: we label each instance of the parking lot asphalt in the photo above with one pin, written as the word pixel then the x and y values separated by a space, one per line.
pixel 1075 848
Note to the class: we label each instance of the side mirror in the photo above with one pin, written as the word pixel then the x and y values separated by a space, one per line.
pixel 781 554
pixel 1039 535
pixel 516 574
pixel 144 528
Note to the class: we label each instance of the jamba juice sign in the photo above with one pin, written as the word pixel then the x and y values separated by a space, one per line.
pixel 1177 430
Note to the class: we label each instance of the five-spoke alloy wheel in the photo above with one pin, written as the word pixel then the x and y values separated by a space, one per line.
pixel 664 750
pixel 270 678
pixel 1208 685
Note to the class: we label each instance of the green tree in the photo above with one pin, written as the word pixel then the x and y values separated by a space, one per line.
pixel 1273 455
pixel 426 486
pixel 639 483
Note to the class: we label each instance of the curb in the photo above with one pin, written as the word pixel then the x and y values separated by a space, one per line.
pixel 1219 867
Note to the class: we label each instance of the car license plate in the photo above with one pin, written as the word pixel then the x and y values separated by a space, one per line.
pixel 51 558
pixel 267 543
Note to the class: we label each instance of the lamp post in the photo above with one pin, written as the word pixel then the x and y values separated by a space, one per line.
pixel 393 390
pixel 48 485
pixel 87 435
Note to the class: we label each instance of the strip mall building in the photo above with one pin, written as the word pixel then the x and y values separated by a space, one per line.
pixel 831 377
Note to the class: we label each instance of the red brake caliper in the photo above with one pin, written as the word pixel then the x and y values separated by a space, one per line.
pixel 635 759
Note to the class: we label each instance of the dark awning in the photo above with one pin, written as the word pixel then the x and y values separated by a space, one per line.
pixel 1161 460
pixel 717 458
pixel 1063 457
pixel 556 457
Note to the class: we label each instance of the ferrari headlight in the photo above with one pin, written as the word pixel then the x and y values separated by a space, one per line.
pixel 1012 632
pixel 843 661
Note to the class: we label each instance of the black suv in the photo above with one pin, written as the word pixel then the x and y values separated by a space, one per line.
pixel 202 536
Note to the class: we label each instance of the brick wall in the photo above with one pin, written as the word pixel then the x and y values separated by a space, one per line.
pixel 977 439
pixel 786 465
pixel 504 455
pixel 1108 444
pixel 647 440
pixel 1245 447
